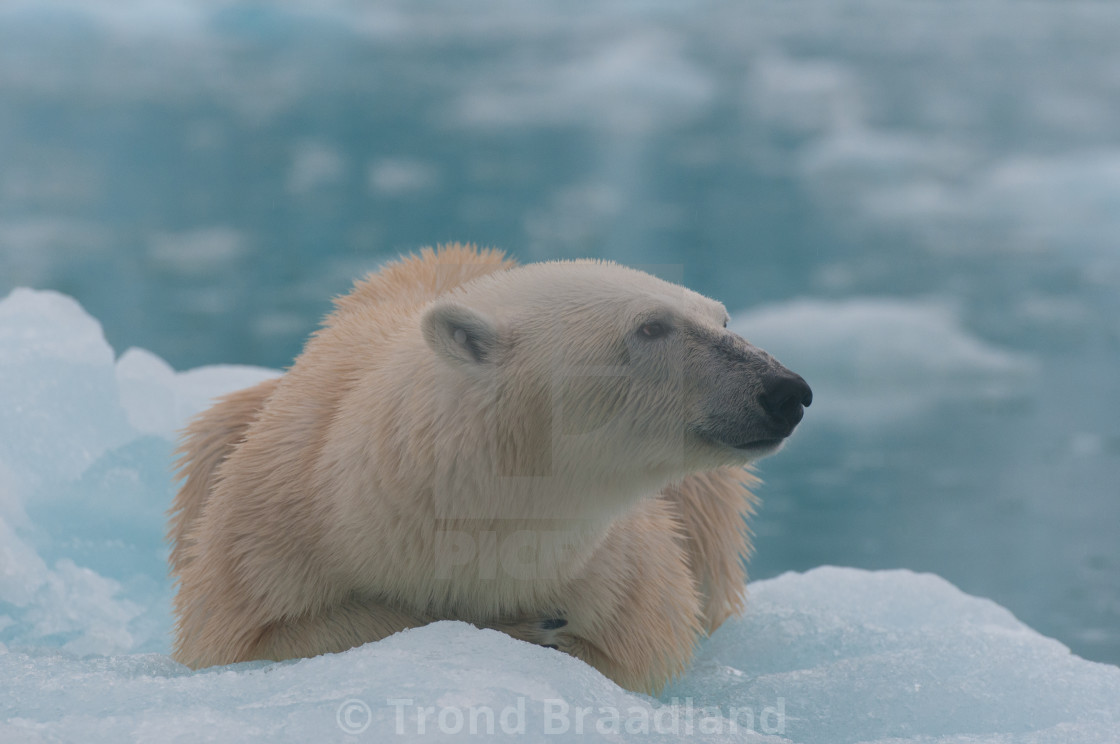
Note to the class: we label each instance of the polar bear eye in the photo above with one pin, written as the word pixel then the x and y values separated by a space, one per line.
pixel 653 329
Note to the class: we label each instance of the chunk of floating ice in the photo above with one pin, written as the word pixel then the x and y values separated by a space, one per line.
pixel 83 491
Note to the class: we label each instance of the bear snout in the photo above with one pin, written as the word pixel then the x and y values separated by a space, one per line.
pixel 785 396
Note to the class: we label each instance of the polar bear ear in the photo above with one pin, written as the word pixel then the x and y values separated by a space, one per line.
pixel 459 333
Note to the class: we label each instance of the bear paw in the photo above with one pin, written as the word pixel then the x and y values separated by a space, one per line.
pixel 547 632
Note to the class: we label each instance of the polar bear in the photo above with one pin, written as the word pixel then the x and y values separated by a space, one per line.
pixel 554 450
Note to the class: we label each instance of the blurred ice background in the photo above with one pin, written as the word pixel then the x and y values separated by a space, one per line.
pixel 915 205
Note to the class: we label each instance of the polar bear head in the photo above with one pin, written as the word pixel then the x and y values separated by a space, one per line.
pixel 589 372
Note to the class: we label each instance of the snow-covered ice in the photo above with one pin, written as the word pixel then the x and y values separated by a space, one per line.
pixel 832 655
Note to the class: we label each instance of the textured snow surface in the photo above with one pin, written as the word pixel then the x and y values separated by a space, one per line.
pixel 833 655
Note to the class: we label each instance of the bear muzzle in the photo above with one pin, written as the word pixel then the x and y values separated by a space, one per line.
pixel 762 422
pixel 785 396
pixel 782 401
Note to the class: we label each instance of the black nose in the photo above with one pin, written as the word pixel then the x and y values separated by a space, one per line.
pixel 785 396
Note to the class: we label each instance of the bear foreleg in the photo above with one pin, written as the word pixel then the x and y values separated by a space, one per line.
pixel 635 613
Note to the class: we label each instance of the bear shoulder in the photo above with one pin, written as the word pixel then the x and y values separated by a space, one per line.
pixel 419 278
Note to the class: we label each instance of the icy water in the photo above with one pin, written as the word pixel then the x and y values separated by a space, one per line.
pixel 915 205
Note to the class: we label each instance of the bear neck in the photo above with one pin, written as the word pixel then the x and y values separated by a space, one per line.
pixel 424 492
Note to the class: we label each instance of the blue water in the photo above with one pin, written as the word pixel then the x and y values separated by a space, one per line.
pixel 204 177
